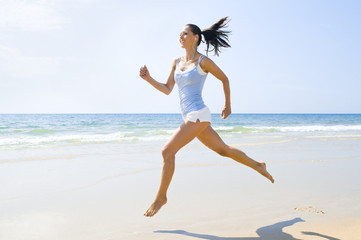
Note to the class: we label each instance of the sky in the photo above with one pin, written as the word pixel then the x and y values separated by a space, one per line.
pixel 83 56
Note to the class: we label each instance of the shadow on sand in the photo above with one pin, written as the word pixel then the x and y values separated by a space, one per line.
pixel 271 232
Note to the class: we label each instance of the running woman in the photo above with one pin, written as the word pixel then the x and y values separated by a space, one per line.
pixel 189 73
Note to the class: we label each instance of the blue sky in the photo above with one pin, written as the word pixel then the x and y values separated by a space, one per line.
pixel 83 56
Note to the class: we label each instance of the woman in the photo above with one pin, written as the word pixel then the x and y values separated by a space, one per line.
pixel 189 73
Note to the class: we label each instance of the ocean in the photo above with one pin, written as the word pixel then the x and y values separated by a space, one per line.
pixel 29 131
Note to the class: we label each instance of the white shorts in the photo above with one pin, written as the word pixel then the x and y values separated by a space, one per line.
pixel 204 115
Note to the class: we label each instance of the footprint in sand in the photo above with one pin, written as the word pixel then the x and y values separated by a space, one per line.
pixel 310 209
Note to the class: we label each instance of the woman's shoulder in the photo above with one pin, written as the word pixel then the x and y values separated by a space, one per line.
pixel 175 61
pixel 205 62
pixel 204 58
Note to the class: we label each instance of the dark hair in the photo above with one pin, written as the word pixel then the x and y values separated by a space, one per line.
pixel 214 35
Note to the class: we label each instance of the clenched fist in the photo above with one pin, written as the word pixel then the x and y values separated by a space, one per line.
pixel 144 73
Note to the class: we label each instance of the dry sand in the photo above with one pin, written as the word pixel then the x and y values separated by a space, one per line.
pixel 102 192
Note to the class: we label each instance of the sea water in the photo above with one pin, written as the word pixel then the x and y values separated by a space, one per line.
pixel 29 131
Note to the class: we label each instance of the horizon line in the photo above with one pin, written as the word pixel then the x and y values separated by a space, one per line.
pixel 166 113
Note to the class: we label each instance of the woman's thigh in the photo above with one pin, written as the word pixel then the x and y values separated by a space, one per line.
pixel 212 140
pixel 184 134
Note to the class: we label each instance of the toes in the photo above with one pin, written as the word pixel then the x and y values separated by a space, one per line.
pixel 271 178
pixel 149 213
pixel 146 213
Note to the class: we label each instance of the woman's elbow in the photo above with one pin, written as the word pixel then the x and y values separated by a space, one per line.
pixel 167 91
pixel 225 80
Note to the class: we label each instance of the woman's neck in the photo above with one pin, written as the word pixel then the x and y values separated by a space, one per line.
pixel 191 54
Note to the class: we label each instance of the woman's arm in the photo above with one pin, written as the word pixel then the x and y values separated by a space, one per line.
pixel 209 66
pixel 165 88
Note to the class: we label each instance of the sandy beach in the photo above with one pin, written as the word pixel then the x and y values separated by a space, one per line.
pixel 87 192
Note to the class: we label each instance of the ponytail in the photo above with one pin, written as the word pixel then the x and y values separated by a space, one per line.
pixel 214 35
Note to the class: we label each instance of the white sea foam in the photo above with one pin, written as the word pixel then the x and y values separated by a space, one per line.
pixel 53 140
pixel 223 128
pixel 314 128
pixel 155 135
pixel 305 128
pixel 33 131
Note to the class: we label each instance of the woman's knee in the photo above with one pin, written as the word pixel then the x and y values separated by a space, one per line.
pixel 168 154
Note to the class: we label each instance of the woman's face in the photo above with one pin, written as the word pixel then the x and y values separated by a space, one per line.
pixel 187 39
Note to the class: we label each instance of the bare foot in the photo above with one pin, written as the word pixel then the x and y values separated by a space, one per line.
pixel 262 170
pixel 156 205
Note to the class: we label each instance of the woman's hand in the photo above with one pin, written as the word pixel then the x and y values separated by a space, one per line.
pixel 144 73
pixel 226 111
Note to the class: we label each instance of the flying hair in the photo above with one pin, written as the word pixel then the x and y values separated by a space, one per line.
pixel 214 35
